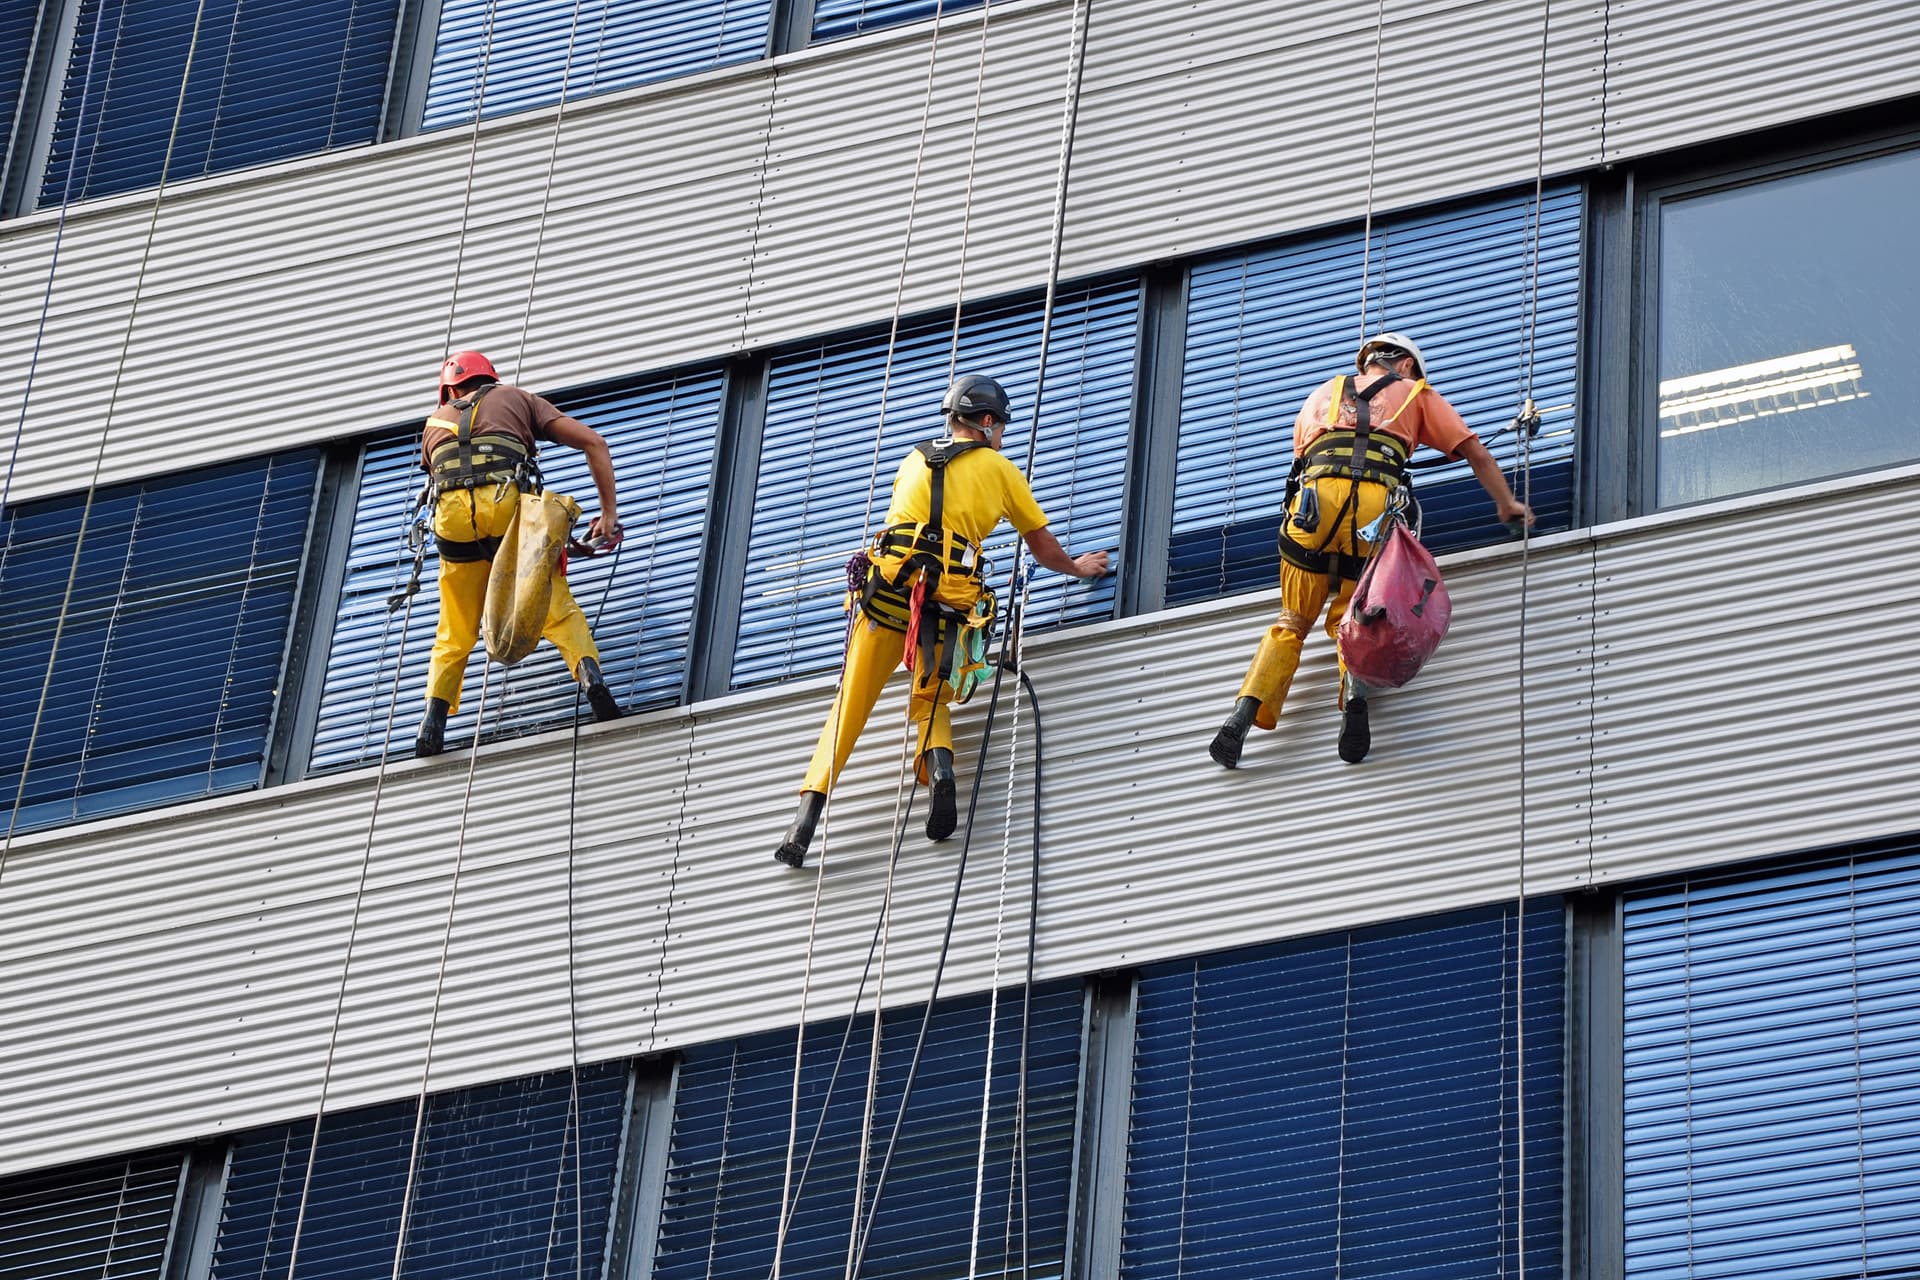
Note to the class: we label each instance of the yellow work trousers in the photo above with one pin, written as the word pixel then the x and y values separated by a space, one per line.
pixel 873 653
pixel 1304 593
pixel 463 515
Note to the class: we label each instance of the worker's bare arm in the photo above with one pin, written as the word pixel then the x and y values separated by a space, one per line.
pixel 1047 550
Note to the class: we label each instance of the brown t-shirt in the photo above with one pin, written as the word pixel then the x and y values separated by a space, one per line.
pixel 503 410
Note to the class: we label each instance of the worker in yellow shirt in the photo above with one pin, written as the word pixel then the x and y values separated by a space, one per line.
pixel 925 567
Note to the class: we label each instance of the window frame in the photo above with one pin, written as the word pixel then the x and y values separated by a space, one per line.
pixel 1799 153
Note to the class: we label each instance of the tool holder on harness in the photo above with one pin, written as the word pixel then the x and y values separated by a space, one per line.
pixel 1359 456
pixel 930 583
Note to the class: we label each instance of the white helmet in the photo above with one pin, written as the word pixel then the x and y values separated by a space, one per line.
pixel 1390 346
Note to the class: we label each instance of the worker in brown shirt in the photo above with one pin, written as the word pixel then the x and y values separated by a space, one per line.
pixel 1332 525
pixel 480 447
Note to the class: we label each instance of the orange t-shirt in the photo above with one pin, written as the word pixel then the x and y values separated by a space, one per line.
pixel 503 410
pixel 1412 412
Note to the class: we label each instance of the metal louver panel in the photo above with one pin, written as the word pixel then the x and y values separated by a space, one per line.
pixel 269 79
pixel 639 599
pixel 107 1220
pixel 731 1114
pixel 169 666
pixel 1771 1116
pixel 834 19
pixel 1265 328
pixel 1347 1105
pixel 538 48
pixel 494 1193
pixel 818 460
pixel 19 26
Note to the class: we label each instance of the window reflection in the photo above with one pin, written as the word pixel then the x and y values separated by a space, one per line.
pixel 1783 308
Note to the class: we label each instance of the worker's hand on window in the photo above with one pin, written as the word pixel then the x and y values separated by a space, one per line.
pixel 606 531
pixel 1512 510
pixel 1094 564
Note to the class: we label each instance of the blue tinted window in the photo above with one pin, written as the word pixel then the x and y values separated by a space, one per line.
pixel 662 432
pixel 1787 310
pixel 168 671
pixel 821 466
pixel 270 79
pixel 1771 1108
pixel 1348 1106
pixel 833 19
pixel 1266 327
pixel 537 48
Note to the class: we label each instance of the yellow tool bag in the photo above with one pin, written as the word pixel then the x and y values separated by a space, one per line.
pixel 520 585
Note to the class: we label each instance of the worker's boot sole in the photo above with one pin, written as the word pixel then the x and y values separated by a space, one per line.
pixel 793 846
pixel 1226 745
pixel 943 812
pixel 1356 738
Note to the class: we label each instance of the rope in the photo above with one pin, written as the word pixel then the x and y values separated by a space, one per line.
pixel 1373 149
pixel 393 702
pixel 106 423
pixel 1069 118
pixel 1530 419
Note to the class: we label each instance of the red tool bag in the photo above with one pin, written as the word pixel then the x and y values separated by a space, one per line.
pixel 1398 614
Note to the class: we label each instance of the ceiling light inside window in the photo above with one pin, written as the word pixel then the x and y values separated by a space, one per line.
pixel 1742 392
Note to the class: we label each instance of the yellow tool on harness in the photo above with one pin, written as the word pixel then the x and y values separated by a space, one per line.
pixel 520 584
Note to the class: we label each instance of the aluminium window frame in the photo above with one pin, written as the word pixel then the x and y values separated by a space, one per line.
pixel 1800 150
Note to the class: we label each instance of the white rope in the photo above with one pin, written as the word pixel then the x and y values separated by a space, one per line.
pixel 393 702
pixel 966 222
pixel 1373 149
pixel 106 422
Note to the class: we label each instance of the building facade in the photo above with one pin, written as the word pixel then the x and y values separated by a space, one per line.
pixel 1601 965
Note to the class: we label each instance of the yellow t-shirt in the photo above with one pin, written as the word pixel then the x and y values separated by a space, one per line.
pixel 982 488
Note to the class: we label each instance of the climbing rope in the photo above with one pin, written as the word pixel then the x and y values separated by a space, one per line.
pixel 1373 153
pixel 1018 590
pixel 393 697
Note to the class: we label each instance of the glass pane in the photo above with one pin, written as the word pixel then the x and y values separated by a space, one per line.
pixel 1785 308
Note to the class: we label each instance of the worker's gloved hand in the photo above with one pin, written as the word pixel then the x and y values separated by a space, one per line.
pixel 604 534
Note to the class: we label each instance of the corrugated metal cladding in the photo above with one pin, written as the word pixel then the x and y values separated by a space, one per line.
pixel 172 599
pixel 493 1184
pixel 1352 1104
pixel 1770 1068
pixel 733 1112
pixel 233 918
pixel 106 1218
pixel 822 470
pixel 1264 329
pixel 766 214
pixel 520 55
pixel 1676 69
pixel 269 79
pixel 639 599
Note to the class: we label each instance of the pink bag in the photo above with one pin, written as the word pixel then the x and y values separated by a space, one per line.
pixel 1398 614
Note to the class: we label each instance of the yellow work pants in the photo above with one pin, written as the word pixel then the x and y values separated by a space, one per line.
pixel 873 653
pixel 1304 593
pixel 463 515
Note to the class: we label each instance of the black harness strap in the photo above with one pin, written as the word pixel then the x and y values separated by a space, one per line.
pixel 1381 463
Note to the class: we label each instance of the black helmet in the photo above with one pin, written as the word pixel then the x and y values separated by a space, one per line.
pixel 972 395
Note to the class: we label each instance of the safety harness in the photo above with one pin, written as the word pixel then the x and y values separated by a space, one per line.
pixel 1357 455
pixel 907 587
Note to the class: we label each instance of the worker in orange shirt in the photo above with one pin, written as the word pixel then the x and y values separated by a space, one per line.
pixel 1351 443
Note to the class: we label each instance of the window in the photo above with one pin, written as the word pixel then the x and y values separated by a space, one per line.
pixel 1347 1105
pixel 833 19
pixel 539 48
pixel 1771 1109
pixel 270 79
pixel 662 432
pixel 166 681
pixel 818 464
pixel 1786 310
pixel 103 1218
pixel 494 1185
pixel 729 1147
pixel 1264 328
pixel 20 27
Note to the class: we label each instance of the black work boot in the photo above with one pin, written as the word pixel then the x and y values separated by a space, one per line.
pixel 1355 737
pixel 1233 734
pixel 940 814
pixel 433 729
pixel 793 849
pixel 598 695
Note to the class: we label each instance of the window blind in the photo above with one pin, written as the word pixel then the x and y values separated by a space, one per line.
pixel 835 19
pixel 106 1218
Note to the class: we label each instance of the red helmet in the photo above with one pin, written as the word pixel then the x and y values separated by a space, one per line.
pixel 460 366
